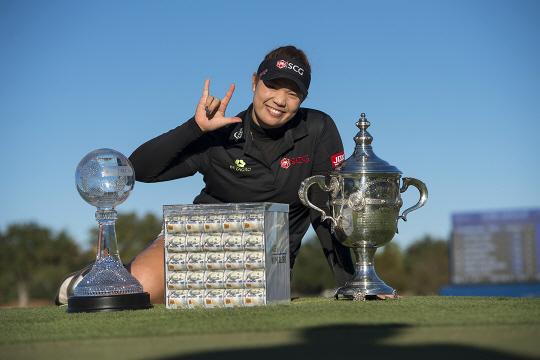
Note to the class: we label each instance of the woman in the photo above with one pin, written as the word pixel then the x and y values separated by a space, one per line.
pixel 261 155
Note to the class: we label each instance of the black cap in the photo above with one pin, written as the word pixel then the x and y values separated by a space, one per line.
pixel 285 68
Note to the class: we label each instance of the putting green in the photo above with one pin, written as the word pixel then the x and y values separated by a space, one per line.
pixel 412 327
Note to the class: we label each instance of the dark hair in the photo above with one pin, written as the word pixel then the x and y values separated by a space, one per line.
pixel 291 52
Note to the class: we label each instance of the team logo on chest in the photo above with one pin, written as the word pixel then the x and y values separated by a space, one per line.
pixel 287 162
pixel 240 166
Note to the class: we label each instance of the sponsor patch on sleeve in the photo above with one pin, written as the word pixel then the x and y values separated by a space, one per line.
pixel 338 158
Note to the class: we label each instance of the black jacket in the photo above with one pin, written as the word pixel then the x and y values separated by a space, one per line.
pixel 235 171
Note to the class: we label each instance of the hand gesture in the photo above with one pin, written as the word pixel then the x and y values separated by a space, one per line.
pixel 210 113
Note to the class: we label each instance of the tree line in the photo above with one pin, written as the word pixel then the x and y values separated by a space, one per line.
pixel 420 269
pixel 34 260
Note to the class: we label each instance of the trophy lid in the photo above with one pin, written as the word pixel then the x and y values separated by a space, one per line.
pixel 363 160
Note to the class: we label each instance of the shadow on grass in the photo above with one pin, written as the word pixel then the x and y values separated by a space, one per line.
pixel 352 341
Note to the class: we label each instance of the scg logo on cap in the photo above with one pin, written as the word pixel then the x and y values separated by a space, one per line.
pixel 284 64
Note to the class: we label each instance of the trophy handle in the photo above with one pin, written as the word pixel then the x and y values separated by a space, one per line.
pixel 303 194
pixel 423 194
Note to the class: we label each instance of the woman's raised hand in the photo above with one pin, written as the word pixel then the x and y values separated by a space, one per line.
pixel 210 113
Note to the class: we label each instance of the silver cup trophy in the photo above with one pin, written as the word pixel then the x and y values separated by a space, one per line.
pixel 105 179
pixel 365 200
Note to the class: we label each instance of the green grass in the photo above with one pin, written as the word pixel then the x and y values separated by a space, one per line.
pixel 412 327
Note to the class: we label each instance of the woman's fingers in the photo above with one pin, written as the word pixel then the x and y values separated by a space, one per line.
pixel 208 101
pixel 206 88
pixel 210 113
pixel 212 104
pixel 226 99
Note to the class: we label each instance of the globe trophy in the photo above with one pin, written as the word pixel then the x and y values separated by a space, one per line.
pixel 105 179
pixel 365 200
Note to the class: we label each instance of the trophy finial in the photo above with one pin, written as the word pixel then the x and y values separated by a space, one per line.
pixel 363 138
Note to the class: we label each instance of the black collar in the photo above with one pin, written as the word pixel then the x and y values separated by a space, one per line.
pixel 296 128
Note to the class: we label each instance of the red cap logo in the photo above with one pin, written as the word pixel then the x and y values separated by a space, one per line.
pixel 281 64
pixel 285 163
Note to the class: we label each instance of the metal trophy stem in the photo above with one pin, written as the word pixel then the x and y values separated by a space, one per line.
pixel 365 281
pixel 105 178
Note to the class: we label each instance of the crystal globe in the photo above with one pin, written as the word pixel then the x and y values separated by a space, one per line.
pixel 105 178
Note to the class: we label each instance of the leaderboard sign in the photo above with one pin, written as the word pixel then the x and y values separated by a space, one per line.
pixel 495 247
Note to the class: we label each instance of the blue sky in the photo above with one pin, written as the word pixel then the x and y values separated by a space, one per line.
pixel 451 88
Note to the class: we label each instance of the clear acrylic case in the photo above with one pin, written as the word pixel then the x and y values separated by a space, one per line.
pixel 226 255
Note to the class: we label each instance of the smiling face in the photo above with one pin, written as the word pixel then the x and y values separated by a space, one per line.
pixel 275 102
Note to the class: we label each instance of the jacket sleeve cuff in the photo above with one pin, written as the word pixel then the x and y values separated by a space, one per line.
pixel 194 128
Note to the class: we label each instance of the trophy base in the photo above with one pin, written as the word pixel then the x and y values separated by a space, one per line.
pixel 365 284
pixel 136 301
pixel 363 294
